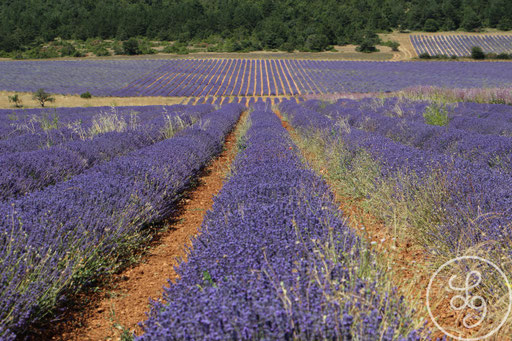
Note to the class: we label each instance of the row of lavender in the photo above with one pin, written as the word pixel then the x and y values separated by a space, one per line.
pixel 299 77
pixel 460 45
pixel 276 261
pixel 245 77
pixel 56 240
pixel 465 174
pixel 246 101
pixel 16 122
pixel 24 172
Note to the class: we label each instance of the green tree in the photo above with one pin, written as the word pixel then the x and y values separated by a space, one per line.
pixel 131 47
pixel 477 53
pixel 16 100
pixel 42 97
pixel 470 20
pixel 316 42
pixel 431 25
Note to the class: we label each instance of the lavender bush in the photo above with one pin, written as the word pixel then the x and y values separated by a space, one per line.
pixel 24 172
pixel 276 261
pixel 55 241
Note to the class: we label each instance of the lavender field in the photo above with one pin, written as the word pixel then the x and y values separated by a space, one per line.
pixel 243 77
pixel 330 217
pixel 460 45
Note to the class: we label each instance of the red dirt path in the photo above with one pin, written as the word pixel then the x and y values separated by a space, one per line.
pixel 126 301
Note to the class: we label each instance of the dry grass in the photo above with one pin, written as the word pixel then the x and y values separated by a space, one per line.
pixel 76 101
pixel 342 53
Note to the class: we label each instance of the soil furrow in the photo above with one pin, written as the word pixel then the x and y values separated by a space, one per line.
pixel 123 305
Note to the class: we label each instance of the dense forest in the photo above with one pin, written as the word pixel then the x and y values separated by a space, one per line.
pixel 249 24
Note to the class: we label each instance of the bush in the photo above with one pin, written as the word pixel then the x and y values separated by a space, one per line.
pixel 367 45
pixel 100 51
pixel 16 100
pixel 69 50
pixel 425 55
pixel 436 114
pixel 131 47
pixel 393 44
pixel 503 55
pixel 454 56
pixel 86 95
pixel 316 42
pixel 491 55
pixel 42 97
pixel 431 25
pixel 477 53
pixel 288 47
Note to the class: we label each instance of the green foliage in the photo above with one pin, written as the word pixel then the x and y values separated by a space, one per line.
pixel 470 21
pixel 86 95
pixel 431 25
pixel 477 53
pixel 68 50
pixel 316 42
pixel 178 48
pixel 42 97
pixel 131 47
pixel 393 44
pixel 425 55
pixel 27 27
pixel 16 100
pixel 503 56
pixel 369 40
pixel 436 114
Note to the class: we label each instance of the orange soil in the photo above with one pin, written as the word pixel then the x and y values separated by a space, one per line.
pixel 126 301
pixel 408 263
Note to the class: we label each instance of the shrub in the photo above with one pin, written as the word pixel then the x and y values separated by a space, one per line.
pixel 503 55
pixel 436 114
pixel 100 51
pixel 131 47
pixel 42 97
pixel 454 56
pixel 431 25
pixel 367 45
pixel 425 55
pixel 477 53
pixel 316 42
pixel 393 44
pixel 69 50
pixel 288 47
pixel 16 100
pixel 86 95
pixel 491 55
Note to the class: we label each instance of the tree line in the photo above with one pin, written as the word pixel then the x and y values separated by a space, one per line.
pixel 247 24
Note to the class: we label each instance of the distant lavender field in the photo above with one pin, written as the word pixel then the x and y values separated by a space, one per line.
pixel 237 77
pixel 99 77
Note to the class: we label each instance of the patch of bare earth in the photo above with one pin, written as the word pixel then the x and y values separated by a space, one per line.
pixel 124 304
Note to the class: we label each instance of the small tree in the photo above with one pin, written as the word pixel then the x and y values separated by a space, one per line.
pixel 42 97
pixel 477 53
pixel 370 39
pixel 16 100
pixel 131 47
pixel 316 42
pixel 431 25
